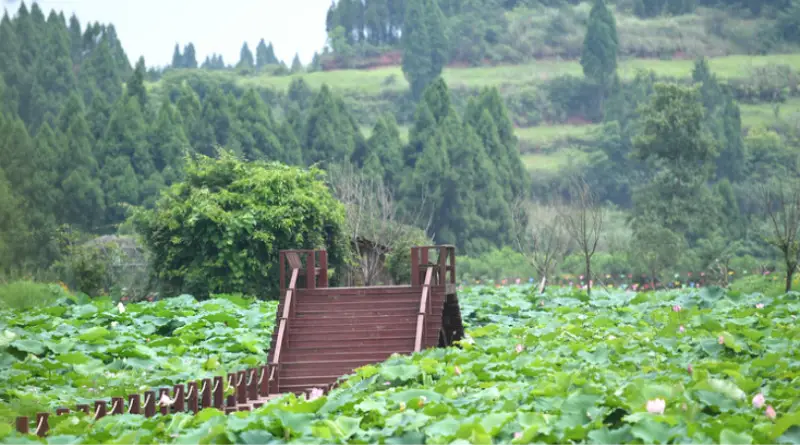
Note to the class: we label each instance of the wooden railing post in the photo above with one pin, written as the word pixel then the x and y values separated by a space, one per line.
pixel 415 275
pixel 323 268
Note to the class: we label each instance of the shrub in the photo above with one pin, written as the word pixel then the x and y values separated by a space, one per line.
pixel 221 229
pixel 21 295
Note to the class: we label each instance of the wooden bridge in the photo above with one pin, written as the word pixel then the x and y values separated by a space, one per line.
pixel 322 333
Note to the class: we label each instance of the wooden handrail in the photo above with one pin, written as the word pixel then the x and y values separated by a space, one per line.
pixel 423 309
pixel 284 322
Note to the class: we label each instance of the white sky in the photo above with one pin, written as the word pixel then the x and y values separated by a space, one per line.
pixel 150 28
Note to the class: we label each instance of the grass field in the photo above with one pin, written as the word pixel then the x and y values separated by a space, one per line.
pixel 392 78
pixel 764 114
pixel 366 82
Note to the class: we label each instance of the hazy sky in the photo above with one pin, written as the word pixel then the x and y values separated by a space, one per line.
pixel 150 28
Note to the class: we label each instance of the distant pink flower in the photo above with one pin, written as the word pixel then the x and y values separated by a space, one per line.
pixel 517 435
pixel 681 329
pixel 758 400
pixel 541 303
pixel 315 394
pixel 721 340
pixel 689 368
pixel 676 308
pixel 519 348
pixel 656 406
pixel 770 412
pixel 457 370
pixel 760 306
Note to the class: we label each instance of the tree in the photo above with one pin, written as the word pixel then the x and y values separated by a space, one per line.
pixel 674 144
pixel 600 46
pixel 189 56
pixel 372 221
pixel 135 86
pixel 177 57
pixel 424 44
pixel 245 58
pixel 780 199
pixel 583 220
pixel 655 248
pixel 297 65
pixel 221 229
pixel 542 240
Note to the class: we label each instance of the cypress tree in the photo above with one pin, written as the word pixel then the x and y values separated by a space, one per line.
pixel 245 57
pixel 600 45
pixel 135 86
pixel 177 57
pixel 424 44
pixel 189 56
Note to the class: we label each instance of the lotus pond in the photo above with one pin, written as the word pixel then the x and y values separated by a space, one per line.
pixel 699 366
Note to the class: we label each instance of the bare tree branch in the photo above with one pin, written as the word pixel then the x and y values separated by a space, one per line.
pixel 584 221
pixel 372 220
pixel 781 203
pixel 543 240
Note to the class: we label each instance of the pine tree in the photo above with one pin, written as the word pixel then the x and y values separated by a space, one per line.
pixel 177 57
pixel 330 133
pixel 600 46
pixel 135 86
pixel 424 44
pixel 387 147
pixel 297 66
pixel 256 135
pixel 245 58
pixel 167 139
pixel 262 54
pixel 189 56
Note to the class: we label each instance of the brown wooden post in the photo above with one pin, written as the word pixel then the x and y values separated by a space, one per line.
pixel 149 403
pixel 252 385
pixel 230 409
pixel 100 409
pixel 193 397
pixel 415 266
pixel 453 265
pixel 231 402
pixel 323 266
pixel 117 406
pixel 205 393
pixel 263 381
pixel 22 425
pixel 241 387
pixel 164 408
pixel 282 267
pixel 83 407
pixel 274 369
pixel 180 399
pixel 311 270
pixel 62 411
pixel 135 404
pixel 219 391
pixel 42 424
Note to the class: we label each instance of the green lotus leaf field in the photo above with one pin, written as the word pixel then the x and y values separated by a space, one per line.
pixel 699 366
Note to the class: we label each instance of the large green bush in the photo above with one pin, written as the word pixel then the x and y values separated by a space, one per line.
pixel 221 229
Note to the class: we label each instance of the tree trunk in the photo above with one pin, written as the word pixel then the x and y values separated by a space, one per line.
pixel 588 276
pixel 789 274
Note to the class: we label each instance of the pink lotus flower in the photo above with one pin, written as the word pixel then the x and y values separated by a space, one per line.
pixel 457 370
pixel 689 368
pixel 721 340
pixel 676 308
pixel 760 306
pixel 315 394
pixel 770 412
pixel 758 400
pixel 519 348
pixel 656 406
pixel 681 329
pixel 517 435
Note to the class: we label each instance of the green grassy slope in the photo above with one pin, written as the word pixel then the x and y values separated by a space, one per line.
pixel 388 79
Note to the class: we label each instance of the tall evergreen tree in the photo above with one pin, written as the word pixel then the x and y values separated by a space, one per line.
pixel 297 65
pixel 600 46
pixel 257 135
pixel 189 56
pixel 135 86
pixel 262 54
pixel 245 57
pixel 424 44
pixel 177 57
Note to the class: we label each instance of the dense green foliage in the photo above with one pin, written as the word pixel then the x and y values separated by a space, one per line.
pixel 220 230
pixel 78 350
pixel 534 368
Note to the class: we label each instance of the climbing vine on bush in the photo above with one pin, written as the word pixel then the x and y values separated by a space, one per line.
pixel 221 229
